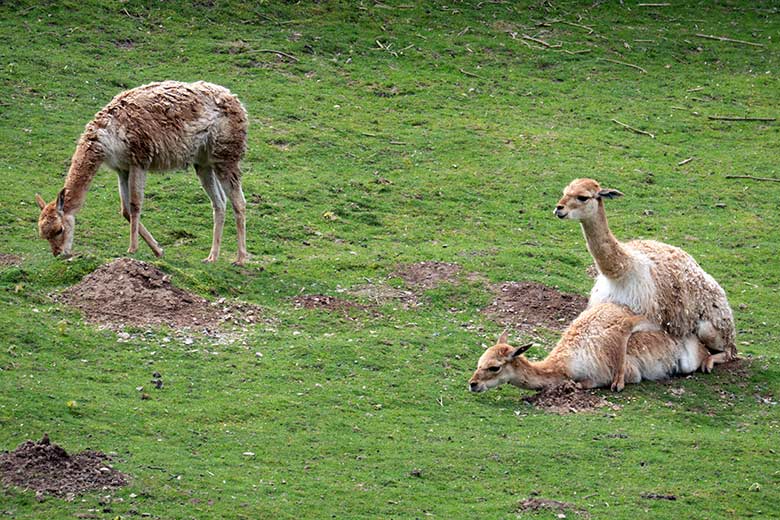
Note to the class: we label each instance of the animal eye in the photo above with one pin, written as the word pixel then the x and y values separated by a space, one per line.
pixel 582 198
pixel 494 369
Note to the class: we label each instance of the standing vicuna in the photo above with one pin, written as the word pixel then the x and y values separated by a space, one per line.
pixel 659 281
pixel 159 126
pixel 606 345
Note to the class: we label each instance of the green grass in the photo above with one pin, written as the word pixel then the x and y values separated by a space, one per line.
pixel 370 418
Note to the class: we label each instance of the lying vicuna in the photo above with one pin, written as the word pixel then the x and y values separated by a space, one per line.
pixel 607 345
pixel 157 127
pixel 659 281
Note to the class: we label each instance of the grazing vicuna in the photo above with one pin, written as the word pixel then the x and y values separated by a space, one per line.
pixel 659 281
pixel 607 345
pixel 157 127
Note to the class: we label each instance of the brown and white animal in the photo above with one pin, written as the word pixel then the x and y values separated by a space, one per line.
pixel 157 127
pixel 607 345
pixel 659 281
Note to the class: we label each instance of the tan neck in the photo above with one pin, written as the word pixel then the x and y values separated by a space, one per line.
pixel 83 166
pixel 535 375
pixel 611 259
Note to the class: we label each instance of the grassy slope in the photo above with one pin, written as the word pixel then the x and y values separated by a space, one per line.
pixel 340 412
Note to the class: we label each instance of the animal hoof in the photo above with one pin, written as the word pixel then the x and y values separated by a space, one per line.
pixel 209 260
pixel 158 253
pixel 617 387
pixel 131 250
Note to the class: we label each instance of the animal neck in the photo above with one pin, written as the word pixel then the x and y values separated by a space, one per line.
pixel 535 375
pixel 610 256
pixel 83 166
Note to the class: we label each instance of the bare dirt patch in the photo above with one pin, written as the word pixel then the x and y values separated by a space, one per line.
pixel 531 505
pixel 129 292
pixel 328 303
pixel 10 260
pixel 427 275
pixel 527 305
pixel 48 469
pixel 568 397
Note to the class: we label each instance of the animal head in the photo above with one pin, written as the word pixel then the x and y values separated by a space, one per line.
pixel 580 199
pixel 55 225
pixel 496 365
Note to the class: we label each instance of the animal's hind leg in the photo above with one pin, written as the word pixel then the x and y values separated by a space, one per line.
pixel 214 190
pixel 230 180
pixel 618 360
pixel 124 196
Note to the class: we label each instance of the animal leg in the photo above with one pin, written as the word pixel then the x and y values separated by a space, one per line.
pixel 230 180
pixel 619 360
pixel 713 359
pixel 214 190
pixel 124 195
pixel 136 183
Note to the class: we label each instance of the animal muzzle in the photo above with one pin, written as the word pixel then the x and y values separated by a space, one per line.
pixel 476 387
pixel 560 212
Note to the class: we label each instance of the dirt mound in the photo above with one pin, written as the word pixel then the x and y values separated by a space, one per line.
pixel 46 468
pixel 427 275
pixel 8 260
pixel 327 303
pixel 530 505
pixel 527 305
pixel 130 292
pixel 567 397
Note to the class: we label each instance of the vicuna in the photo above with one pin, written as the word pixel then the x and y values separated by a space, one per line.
pixel 157 127
pixel 659 281
pixel 607 345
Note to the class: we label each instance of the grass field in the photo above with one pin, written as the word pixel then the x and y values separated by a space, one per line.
pixel 389 133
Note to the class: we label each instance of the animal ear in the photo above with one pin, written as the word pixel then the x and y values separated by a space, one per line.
pixel 39 200
pixel 520 350
pixel 61 201
pixel 504 337
pixel 609 194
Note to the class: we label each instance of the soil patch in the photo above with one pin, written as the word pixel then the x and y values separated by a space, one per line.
pixel 530 505
pixel 567 397
pixel 8 260
pixel 427 275
pixel 527 305
pixel 327 303
pixel 130 292
pixel 46 468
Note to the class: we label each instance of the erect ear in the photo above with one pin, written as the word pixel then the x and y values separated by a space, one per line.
pixel 502 339
pixel 61 201
pixel 609 194
pixel 39 200
pixel 520 350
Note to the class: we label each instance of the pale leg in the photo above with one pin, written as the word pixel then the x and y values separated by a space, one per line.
pixel 124 195
pixel 136 182
pixel 218 203
pixel 236 195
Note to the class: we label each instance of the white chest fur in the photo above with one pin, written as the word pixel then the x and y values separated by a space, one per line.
pixel 635 289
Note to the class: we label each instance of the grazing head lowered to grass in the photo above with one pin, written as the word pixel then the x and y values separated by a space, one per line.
pixel 157 127
pixel 607 345
pixel 659 281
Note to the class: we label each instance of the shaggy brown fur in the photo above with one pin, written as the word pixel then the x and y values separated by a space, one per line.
pixel 657 280
pixel 159 126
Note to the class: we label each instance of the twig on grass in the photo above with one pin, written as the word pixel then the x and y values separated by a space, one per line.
pixel 471 74
pixel 738 118
pixel 635 130
pixel 581 51
pixel 637 67
pixel 540 42
pixel 724 39
pixel 768 179
pixel 273 51
pixel 685 161
pixel 653 5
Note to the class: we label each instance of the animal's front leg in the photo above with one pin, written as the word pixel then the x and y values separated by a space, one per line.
pixel 136 184
pixel 124 196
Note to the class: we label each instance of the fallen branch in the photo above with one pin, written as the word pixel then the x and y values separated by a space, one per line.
pixel 574 53
pixel 769 179
pixel 278 53
pixel 637 67
pixel 471 74
pixel 589 29
pixel 653 5
pixel 724 39
pixel 737 118
pixel 635 130
pixel 540 42
pixel 686 161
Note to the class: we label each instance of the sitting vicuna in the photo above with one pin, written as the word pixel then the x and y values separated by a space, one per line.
pixel 659 281
pixel 157 127
pixel 607 345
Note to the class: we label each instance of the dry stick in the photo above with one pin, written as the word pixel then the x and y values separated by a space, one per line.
pixel 637 67
pixel 752 178
pixel 278 53
pixel 635 130
pixel 686 161
pixel 653 5
pixel 737 118
pixel 724 39
pixel 582 51
pixel 540 42
pixel 467 73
